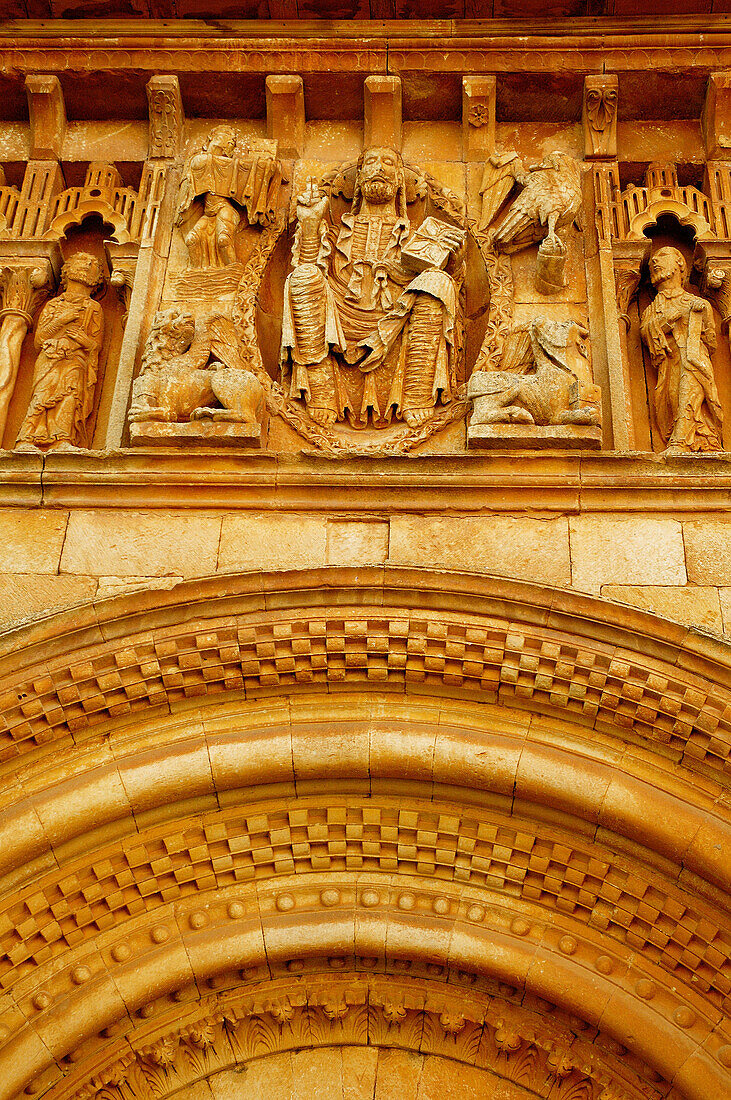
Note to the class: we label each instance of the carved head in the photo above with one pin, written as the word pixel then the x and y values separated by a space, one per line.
pixel 171 334
pixel 221 142
pixel 668 265
pixel 562 343
pixel 380 178
pixel 83 268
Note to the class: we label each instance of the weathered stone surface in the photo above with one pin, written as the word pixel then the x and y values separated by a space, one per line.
pixel 142 544
pixel 532 549
pixel 708 551
pixel 272 542
pixel 356 543
pixel 693 605
pixel 634 550
pixel 24 595
pixel 32 540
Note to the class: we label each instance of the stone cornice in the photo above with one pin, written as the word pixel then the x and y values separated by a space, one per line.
pixel 366 46
pixel 458 483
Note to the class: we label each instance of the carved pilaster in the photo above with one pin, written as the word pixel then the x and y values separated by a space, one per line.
pixel 599 116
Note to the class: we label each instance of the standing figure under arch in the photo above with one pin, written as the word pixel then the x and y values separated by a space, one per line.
pixel 678 329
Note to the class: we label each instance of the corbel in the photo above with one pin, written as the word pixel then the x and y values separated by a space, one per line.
pixel 599 116
pixel 47 116
pixel 716 117
pixel 478 117
pixel 166 117
pixel 28 272
pixel 285 99
pixel 382 112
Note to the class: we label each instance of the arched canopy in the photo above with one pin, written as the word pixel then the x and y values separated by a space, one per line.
pixel 270 795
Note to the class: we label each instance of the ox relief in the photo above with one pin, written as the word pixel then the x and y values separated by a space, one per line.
pixel 370 305
pixel 68 336
pixel 679 332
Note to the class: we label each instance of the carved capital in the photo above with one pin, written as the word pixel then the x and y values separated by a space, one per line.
pixel 122 261
pixel 626 283
pixel 23 290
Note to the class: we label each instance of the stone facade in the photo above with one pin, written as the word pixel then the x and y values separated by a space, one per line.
pixel 365 619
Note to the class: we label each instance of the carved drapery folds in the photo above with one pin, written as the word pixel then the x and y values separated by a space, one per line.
pixel 222 180
pixel 364 296
pixel 370 307
pixel 68 337
pixel 679 332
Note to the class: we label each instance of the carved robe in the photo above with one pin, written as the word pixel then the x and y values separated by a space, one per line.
pixel 369 297
pixel 69 337
pixel 678 330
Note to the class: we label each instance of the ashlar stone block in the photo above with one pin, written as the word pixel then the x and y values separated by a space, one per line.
pixel 627 549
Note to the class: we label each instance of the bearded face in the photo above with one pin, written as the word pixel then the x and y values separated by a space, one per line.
pixel 379 175
pixel 664 265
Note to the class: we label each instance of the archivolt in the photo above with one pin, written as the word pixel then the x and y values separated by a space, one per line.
pixel 495 779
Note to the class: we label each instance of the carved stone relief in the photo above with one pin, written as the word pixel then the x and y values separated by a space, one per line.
pixel 190 373
pixel 68 338
pixel 219 182
pixel 545 381
pixel 600 116
pixel 679 332
pixel 550 200
pixel 370 307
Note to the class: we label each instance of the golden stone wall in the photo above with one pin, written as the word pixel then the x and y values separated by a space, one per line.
pixel 365 681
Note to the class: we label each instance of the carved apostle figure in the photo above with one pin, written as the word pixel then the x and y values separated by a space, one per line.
pixel 68 337
pixel 369 308
pixel 227 177
pixel 677 328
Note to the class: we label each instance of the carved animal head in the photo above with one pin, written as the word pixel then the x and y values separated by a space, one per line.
pixel 561 343
pixel 171 334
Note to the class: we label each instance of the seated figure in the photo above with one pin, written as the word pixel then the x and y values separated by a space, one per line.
pixel 369 309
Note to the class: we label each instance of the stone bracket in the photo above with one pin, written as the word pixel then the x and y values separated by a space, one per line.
pixel 478 117
pixel 47 116
pixel 166 116
pixel 285 98
pixel 382 111
pixel 599 116
pixel 716 117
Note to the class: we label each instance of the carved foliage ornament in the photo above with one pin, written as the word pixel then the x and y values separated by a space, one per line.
pixel 532 1050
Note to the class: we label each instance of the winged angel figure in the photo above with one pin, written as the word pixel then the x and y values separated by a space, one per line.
pixel 550 201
